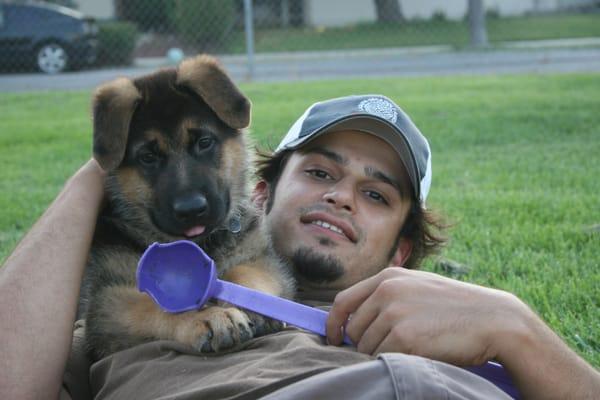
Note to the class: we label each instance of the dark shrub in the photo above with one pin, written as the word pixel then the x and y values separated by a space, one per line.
pixel 148 15
pixel 116 42
pixel 205 24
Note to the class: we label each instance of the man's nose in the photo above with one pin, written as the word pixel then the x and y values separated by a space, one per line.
pixel 341 196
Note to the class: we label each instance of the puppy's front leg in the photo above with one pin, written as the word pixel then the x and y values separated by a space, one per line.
pixel 266 275
pixel 123 317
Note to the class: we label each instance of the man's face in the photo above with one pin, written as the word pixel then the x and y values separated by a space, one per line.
pixel 338 208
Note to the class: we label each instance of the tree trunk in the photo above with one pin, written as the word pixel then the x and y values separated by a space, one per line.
pixel 389 11
pixel 477 27
pixel 119 9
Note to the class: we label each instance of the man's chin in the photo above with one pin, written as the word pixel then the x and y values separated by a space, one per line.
pixel 316 268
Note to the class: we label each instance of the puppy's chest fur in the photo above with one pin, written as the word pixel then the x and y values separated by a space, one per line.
pixel 118 316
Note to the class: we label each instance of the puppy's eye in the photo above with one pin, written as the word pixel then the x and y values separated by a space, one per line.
pixel 148 158
pixel 204 143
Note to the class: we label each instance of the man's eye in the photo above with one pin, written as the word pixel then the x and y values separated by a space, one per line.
pixel 376 196
pixel 319 173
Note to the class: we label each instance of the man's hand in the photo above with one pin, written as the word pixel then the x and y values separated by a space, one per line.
pixel 425 314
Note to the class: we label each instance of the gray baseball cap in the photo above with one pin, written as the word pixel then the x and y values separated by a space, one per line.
pixel 374 114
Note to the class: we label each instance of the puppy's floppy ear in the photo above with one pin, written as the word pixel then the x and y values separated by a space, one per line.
pixel 204 76
pixel 113 106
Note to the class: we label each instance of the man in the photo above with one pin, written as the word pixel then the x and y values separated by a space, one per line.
pixel 344 200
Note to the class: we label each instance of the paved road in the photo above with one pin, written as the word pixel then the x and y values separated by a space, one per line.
pixel 425 61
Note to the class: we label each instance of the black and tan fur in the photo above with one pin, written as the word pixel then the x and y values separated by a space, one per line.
pixel 177 157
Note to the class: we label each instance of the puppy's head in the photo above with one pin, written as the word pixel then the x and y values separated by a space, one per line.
pixel 174 147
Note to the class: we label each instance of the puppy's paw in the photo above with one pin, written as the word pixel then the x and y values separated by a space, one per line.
pixel 216 328
pixel 262 325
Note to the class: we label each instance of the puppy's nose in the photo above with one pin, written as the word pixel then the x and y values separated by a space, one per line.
pixel 190 206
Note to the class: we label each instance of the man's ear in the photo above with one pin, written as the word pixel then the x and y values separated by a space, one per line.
pixel 403 252
pixel 260 194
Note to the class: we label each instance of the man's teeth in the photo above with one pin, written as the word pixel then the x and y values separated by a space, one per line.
pixel 327 225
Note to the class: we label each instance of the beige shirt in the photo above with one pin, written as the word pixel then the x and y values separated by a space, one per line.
pixel 290 364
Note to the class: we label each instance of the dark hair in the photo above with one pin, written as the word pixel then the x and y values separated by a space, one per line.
pixel 269 166
pixel 422 227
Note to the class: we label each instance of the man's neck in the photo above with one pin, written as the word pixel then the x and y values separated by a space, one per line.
pixel 314 295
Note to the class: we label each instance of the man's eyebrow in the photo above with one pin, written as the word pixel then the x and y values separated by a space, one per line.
pixel 332 155
pixel 371 172
pixel 381 176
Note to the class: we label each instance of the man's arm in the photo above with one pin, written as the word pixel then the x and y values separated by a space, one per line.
pixel 425 314
pixel 39 288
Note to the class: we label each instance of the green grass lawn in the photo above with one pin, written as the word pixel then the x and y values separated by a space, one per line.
pixel 516 164
pixel 419 33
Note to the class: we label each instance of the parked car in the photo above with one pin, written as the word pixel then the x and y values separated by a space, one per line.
pixel 47 37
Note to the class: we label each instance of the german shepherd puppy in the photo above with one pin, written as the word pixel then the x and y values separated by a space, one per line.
pixel 178 162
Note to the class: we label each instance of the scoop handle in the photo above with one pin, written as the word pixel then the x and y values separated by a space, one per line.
pixel 305 317
pixel 314 320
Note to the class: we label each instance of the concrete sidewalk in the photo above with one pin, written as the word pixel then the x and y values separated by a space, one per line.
pixel 153 62
pixel 550 56
pixel 547 56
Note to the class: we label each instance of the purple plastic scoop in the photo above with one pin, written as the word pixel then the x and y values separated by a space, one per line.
pixel 180 276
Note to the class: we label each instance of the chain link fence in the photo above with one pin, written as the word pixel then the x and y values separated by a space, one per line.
pixel 72 34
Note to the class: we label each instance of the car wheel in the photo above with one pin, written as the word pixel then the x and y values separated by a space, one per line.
pixel 52 58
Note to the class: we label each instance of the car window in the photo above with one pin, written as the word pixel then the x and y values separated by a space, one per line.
pixel 18 15
pixel 32 15
pixel 44 14
pixel 1 16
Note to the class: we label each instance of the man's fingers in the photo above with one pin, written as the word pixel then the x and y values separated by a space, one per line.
pixel 348 301
pixel 345 303
pixel 378 315
pixel 361 319
pixel 388 344
pixel 382 302
pixel 338 315
pixel 374 334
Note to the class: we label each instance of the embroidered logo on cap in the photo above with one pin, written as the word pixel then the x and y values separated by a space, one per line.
pixel 379 107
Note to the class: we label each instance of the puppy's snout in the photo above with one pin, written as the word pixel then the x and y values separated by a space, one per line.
pixel 190 206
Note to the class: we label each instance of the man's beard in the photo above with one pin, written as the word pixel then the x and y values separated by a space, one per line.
pixel 315 267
